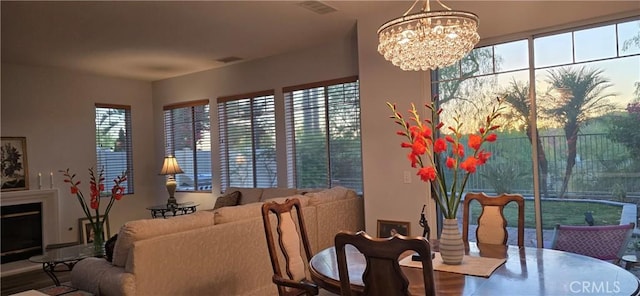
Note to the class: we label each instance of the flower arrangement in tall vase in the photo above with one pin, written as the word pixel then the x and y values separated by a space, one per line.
pixel 426 140
pixel 96 185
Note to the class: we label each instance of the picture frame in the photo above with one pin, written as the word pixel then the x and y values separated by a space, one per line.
pixel 14 172
pixel 386 228
pixel 86 231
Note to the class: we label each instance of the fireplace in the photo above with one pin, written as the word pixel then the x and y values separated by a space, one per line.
pixel 48 232
pixel 21 233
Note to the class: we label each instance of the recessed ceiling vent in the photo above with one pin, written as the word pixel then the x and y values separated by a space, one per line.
pixel 317 7
pixel 229 59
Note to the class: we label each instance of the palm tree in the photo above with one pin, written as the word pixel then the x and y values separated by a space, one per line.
pixel 581 97
pixel 518 97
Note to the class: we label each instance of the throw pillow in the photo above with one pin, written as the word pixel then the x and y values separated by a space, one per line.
pixel 108 247
pixel 229 199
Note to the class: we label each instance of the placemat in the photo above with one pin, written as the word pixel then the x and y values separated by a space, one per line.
pixel 471 265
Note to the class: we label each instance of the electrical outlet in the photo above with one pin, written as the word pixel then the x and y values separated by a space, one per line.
pixel 407 177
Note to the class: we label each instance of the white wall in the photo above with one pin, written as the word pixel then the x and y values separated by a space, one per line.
pixel 387 197
pixel 327 61
pixel 54 110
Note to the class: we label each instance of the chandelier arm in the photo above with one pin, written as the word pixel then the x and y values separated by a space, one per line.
pixel 443 5
pixel 411 8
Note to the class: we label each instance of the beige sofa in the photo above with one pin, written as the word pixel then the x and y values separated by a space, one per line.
pixel 221 252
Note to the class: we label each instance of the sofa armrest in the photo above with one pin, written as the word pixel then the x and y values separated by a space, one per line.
pixel 100 277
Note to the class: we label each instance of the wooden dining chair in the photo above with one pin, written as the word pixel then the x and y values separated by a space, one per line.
pixel 382 275
pixel 291 235
pixel 492 225
pixel 605 242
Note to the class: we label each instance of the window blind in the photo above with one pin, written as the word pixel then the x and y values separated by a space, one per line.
pixel 247 140
pixel 323 134
pixel 114 148
pixel 188 137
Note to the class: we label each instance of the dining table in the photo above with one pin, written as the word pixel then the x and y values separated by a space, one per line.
pixel 525 271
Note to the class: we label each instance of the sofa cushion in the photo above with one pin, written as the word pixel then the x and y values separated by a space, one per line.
pixel 147 228
pixel 247 195
pixel 304 200
pixel 268 193
pixel 329 195
pixel 241 212
pixel 230 199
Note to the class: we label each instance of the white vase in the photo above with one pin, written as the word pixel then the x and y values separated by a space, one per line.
pixel 451 245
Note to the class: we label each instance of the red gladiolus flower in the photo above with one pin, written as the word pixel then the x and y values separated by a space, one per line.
pixel 418 134
pixel 117 192
pixel 94 203
pixel 415 131
pixel 475 142
pixel 426 132
pixel 483 156
pixel 427 174
pixel 460 150
pixel 449 139
pixel 419 147
pixel 439 146
pixel 413 159
pixel 469 164
pixel 96 186
pixel 451 163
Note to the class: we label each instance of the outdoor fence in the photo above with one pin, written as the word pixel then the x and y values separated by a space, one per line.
pixel 603 168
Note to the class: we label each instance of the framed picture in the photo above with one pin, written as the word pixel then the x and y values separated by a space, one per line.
pixel 389 228
pixel 86 231
pixel 14 173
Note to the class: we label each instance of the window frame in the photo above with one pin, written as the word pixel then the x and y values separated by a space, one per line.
pixel 292 169
pixel 170 144
pixel 225 175
pixel 129 184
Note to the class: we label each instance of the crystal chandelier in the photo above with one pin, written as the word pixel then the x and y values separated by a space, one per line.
pixel 428 40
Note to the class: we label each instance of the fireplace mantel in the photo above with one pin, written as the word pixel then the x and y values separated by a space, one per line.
pixel 50 219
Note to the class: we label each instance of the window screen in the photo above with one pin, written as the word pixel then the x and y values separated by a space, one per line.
pixel 114 150
pixel 188 138
pixel 323 134
pixel 247 140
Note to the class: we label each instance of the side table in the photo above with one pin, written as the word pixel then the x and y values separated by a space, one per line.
pixel 179 209
pixel 67 256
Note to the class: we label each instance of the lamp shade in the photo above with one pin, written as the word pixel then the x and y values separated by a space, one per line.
pixel 170 166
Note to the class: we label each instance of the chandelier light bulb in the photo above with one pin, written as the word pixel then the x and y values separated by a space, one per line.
pixel 428 40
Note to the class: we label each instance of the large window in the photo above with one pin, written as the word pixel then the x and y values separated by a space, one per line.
pixel 188 138
pixel 114 150
pixel 247 140
pixel 323 134
pixel 584 127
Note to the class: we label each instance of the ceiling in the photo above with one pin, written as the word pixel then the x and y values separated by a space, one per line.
pixel 154 40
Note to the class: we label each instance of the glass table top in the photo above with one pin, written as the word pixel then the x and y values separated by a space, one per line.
pixel 68 254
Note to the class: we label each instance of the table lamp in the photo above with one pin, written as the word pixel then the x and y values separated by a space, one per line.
pixel 170 168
